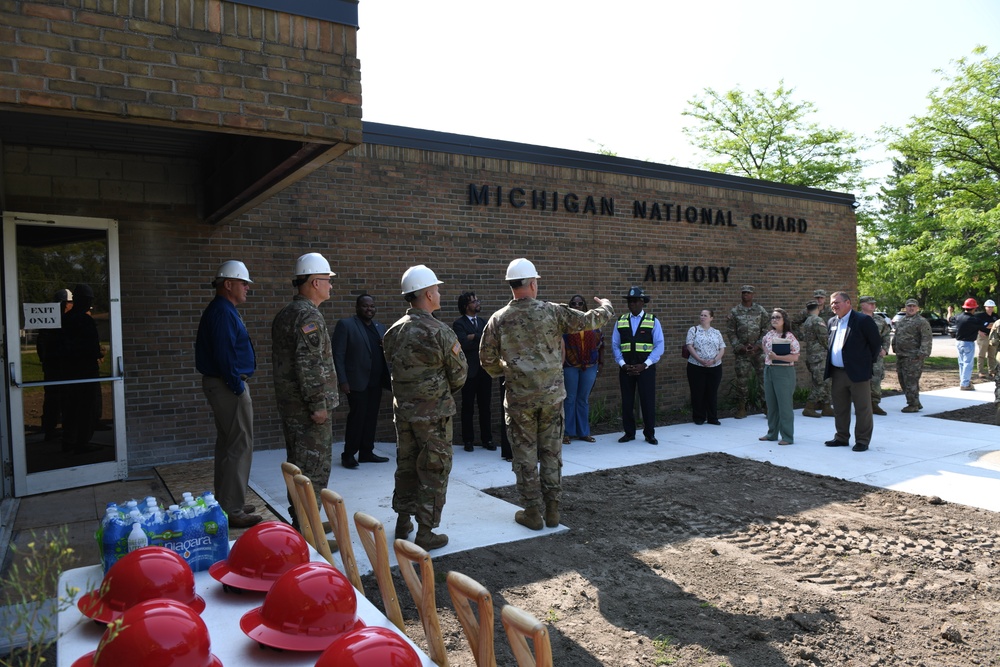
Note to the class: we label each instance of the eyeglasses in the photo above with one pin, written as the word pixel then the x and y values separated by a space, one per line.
pixel 329 280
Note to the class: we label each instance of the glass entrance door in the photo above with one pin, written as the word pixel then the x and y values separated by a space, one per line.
pixel 64 367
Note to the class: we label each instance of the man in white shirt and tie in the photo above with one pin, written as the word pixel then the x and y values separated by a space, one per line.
pixel 855 345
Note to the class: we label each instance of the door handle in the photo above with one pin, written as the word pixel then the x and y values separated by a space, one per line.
pixel 13 380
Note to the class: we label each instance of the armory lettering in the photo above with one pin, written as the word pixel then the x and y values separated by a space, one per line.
pixel 679 273
pixel 571 202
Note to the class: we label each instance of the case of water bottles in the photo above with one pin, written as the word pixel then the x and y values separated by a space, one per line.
pixel 197 529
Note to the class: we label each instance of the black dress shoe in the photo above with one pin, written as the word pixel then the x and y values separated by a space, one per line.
pixel 836 443
pixel 348 461
pixel 859 448
pixel 489 446
pixel 372 458
pixel 468 447
pixel 653 441
pixel 626 438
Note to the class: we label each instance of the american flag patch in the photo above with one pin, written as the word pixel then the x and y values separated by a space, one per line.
pixel 456 349
pixel 310 328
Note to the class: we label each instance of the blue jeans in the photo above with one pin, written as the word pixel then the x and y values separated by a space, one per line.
pixel 579 382
pixel 966 356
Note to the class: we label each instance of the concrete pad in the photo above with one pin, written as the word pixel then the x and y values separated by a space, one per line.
pixel 956 461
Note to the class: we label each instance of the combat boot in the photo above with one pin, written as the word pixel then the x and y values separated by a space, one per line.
pixel 810 410
pixel 877 409
pixel 427 540
pixel 529 518
pixel 403 527
pixel 910 408
pixel 551 513
pixel 741 412
pixel 827 410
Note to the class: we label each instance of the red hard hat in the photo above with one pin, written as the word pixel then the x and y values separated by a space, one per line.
pixel 159 632
pixel 370 647
pixel 306 609
pixel 261 555
pixel 144 574
pixel 970 303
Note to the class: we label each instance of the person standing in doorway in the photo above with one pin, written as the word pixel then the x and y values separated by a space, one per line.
pixel 361 369
pixel 225 357
pixel 478 388
pixel 637 343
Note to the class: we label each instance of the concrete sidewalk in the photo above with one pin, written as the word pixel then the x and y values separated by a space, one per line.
pixel 956 461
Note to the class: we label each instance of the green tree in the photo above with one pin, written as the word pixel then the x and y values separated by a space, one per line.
pixel 938 225
pixel 767 136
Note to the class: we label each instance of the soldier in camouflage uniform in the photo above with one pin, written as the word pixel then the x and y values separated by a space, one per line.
pixel 868 306
pixel 912 344
pixel 523 341
pixel 814 343
pixel 305 380
pixel 745 326
pixel 427 366
pixel 823 311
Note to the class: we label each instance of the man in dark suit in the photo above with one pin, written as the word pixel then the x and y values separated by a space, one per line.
pixel 361 367
pixel 478 387
pixel 855 345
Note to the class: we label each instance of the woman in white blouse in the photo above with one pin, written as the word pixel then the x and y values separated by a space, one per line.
pixel 781 351
pixel 704 368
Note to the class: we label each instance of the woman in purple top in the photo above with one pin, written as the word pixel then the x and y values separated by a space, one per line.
pixel 583 358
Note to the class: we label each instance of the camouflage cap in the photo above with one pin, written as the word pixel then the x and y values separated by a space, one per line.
pixel 868 299
pixel 912 302
pixel 819 292
pixel 747 288
pixel 811 304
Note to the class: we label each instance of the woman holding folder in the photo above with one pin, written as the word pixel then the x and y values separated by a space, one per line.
pixel 781 351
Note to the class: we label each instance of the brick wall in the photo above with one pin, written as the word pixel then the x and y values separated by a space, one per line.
pixel 376 211
pixel 202 64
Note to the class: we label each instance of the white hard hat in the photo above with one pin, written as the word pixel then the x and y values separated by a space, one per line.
pixel 312 263
pixel 417 278
pixel 990 303
pixel 520 269
pixel 233 269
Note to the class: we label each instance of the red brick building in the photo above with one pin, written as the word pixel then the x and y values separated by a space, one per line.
pixel 144 143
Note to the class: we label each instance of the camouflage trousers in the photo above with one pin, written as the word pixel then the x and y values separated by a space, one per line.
pixel 747 365
pixel 909 370
pixel 819 391
pixel 878 374
pixel 423 463
pixel 536 440
pixel 309 446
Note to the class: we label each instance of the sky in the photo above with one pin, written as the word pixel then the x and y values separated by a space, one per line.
pixel 584 74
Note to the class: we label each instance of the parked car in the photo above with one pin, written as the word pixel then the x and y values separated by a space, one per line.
pixel 939 325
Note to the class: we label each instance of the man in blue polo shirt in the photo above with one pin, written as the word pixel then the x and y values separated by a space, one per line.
pixel 225 357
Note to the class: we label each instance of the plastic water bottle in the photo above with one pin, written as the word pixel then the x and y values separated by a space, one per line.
pixel 111 536
pixel 137 538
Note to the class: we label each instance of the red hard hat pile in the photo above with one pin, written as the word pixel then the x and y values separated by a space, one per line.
pixel 148 599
